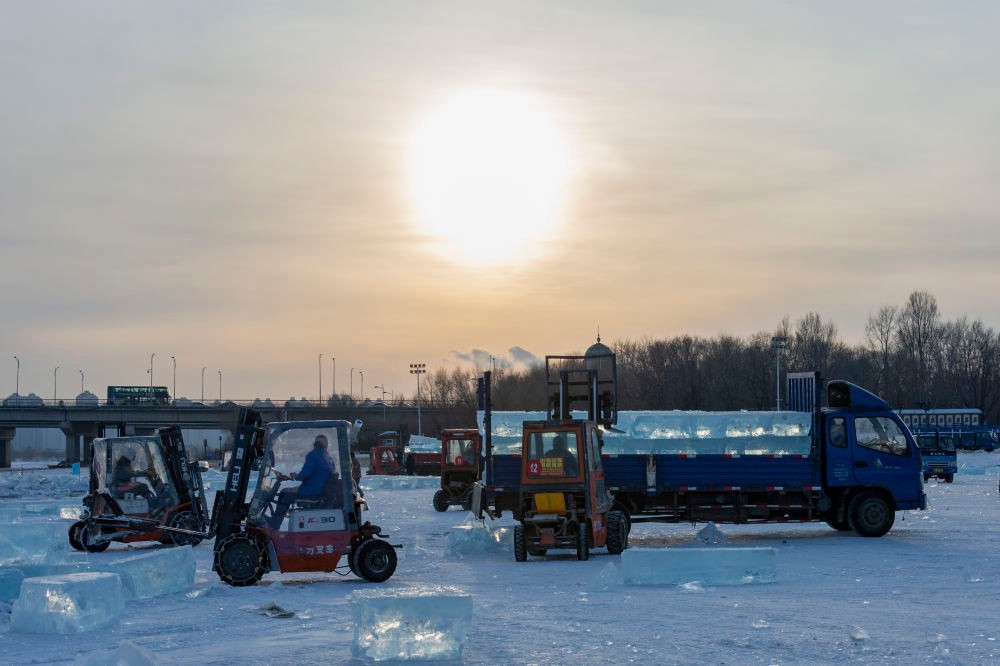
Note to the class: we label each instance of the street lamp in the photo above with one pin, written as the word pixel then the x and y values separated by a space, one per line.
pixel 174 359
pixel 203 384
pixel 55 384
pixel 81 381
pixel 383 401
pixel 17 378
pixel 362 373
pixel 220 386
pixel 321 378
pixel 151 369
pixel 418 369
pixel 778 343
pixel 333 390
pixel 352 384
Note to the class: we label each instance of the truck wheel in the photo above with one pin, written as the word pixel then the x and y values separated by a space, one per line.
pixel 870 515
pixel 620 508
pixel 617 534
pixel 375 560
pixel 441 501
pixel 84 535
pixel 948 478
pixel 582 547
pixel 239 559
pixel 520 553
pixel 184 520
pixel 74 535
pixel 927 477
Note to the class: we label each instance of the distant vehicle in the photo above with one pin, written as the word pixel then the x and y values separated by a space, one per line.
pixel 461 451
pixel 144 396
pixel 916 419
pixel 937 451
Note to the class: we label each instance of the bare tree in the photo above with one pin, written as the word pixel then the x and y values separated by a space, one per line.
pixel 880 336
pixel 918 336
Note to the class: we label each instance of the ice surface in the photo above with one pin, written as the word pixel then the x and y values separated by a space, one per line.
pixel 163 571
pixel 475 537
pixel 387 482
pixel 68 604
pixel 33 542
pixel 410 624
pixel 709 566
pixel 126 654
pixel 676 432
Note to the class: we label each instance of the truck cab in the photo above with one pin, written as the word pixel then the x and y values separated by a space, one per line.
pixel 939 455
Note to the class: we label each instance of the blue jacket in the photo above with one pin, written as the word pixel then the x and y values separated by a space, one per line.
pixel 316 468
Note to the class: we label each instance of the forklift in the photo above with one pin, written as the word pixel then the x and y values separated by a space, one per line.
pixel 563 501
pixel 271 533
pixel 460 456
pixel 386 455
pixel 142 488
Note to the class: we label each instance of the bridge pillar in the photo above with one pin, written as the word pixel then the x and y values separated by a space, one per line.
pixel 6 446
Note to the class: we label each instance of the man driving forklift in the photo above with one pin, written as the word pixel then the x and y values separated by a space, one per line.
pixel 318 481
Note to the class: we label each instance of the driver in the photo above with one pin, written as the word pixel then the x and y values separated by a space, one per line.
pixel 123 477
pixel 317 467
pixel 559 450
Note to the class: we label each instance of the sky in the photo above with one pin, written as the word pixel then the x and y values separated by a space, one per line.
pixel 243 186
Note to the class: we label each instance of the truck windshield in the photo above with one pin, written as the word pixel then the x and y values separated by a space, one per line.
pixel 932 444
pixel 553 454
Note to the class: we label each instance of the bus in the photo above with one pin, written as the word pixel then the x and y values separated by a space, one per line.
pixel 146 396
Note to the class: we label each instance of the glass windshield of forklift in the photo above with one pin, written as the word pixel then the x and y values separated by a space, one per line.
pixel 553 455
pixel 289 451
pixel 459 453
pixel 137 469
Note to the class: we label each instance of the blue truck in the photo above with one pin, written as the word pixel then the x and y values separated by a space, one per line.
pixel 852 464
pixel 939 454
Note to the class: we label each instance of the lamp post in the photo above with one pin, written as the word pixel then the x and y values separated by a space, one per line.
pixel 321 377
pixel 17 378
pixel 55 384
pixel 418 369
pixel 174 393
pixel 151 369
pixel 220 387
pixel 352 384
pixel 333 384
pixel 81 381
pixel 778 343
pixel 362 373
pixel 203 384
pixel 383 401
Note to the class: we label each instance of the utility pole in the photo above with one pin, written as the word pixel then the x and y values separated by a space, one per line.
pixel 418 369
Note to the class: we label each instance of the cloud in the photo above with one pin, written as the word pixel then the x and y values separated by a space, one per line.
pixel 516 357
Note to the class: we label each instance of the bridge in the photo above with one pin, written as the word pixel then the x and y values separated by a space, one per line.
pixel 81 424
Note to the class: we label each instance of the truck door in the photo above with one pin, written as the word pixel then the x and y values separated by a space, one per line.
pixel 884 455
pixel 839 461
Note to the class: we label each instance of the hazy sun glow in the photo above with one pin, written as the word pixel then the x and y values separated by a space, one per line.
pixel 488 176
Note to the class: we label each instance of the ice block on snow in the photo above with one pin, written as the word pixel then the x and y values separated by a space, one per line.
pixel 471 539
pixel 709 566
pixel 68 604
pixel 410 624
pixel 160 572
pixel 32 542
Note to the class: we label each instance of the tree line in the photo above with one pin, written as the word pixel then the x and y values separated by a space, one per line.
pixel 909 356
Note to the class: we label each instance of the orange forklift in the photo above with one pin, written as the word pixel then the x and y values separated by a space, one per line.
pixel 460 456
pixel 386 455
pixel 563 501
pixel 279 530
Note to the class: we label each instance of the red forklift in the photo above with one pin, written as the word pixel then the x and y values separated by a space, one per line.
pixel 386 455
pixel 276 531
pixel 563 501
pixel 142 488
pixel 460 456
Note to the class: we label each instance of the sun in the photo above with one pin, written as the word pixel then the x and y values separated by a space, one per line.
pixel 488 176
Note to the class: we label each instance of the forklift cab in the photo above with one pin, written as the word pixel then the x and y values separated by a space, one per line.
pixel 383 460
pixel 133 470
pixel 460 459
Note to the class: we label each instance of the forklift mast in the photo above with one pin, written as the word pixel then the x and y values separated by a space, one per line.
pixel 588 383
pixel 230 508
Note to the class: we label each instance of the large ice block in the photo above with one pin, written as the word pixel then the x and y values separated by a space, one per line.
pixel 709 566
pixel 68 604
pixel 33 542
pixel 11 577
pixel 427 623
pixel 388 482
pixel 478 538
pixel 160 572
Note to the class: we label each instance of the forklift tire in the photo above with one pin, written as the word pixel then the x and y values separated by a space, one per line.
pixel 240 560
pixel 520 553
pixel 184 520
pixel 870 515
pixel 441 501
pixel 74 535
pixel 84 536
pixel 619 507
pixel 582 547
pixel 617 534
pixel 949 478
pixel 374 560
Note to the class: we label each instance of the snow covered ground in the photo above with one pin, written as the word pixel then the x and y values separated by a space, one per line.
pixel 925 593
